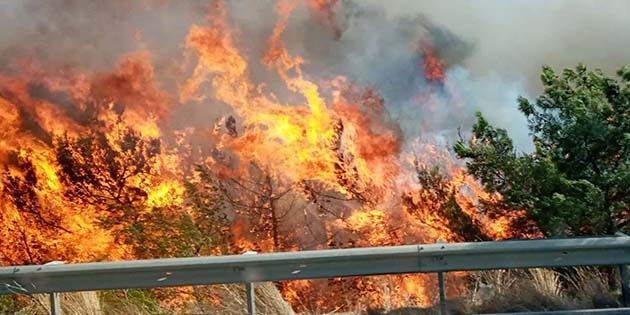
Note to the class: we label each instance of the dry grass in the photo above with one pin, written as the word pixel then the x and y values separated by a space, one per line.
pixel 540 290
pixel 233 301
pixel 490 283
pixel 590 288
pixel 82 303
pixel 547 282
pixel 453 307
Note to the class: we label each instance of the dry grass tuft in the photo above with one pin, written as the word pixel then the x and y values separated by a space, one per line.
pixel 80 303
pixel 590 288
pixel 540 290
pixel 518 291
pixel 233 301
pixel 489 283
pixel 547 282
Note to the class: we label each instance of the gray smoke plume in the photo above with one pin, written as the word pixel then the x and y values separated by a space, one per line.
pixel 94 34
pixel 513 39
pixel 492 49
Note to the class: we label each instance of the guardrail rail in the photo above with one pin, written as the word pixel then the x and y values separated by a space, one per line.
pixel 249 269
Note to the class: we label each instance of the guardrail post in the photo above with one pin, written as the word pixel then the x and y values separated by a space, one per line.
pixel 55 304
pixel 623 274
pixel 442 287
pixel 251 306
pixel 442 293
pixel 625 288
pixel 249 289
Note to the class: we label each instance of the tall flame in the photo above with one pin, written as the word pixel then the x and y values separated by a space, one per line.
pixel 318 164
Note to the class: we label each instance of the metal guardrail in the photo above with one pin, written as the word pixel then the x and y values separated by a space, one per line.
pixel 606 311
pixel 441 257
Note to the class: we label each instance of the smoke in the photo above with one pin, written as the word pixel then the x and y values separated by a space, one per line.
pixel 513 39
pixel 93 35
pixel 495 50
pixel 491 50
pixel 386 52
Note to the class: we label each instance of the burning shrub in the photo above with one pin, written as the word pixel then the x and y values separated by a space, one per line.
pixel 436 204
pixel 108 174
pixel 29 223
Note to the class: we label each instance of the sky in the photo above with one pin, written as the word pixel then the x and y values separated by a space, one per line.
pixel 515 37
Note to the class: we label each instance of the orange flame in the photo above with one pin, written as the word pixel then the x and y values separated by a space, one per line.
pixel 432 66
pixel 324 169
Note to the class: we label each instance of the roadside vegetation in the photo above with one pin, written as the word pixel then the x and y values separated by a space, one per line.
pixel 575 183
pixel 577 180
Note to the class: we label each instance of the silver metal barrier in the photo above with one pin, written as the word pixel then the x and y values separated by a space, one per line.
pixel 248 269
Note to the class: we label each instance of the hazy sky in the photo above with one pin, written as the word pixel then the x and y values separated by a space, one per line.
pixel 515 37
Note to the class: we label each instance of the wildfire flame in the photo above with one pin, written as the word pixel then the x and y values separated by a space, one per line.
pixel 432 66
pixel 324 169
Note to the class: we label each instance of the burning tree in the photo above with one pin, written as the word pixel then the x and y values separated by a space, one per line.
pixel 256 203
pixel 29 222
pixel 113 173
pixel 108 174
pixel 436 204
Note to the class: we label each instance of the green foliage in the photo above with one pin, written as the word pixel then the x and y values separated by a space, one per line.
pixel 577 181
